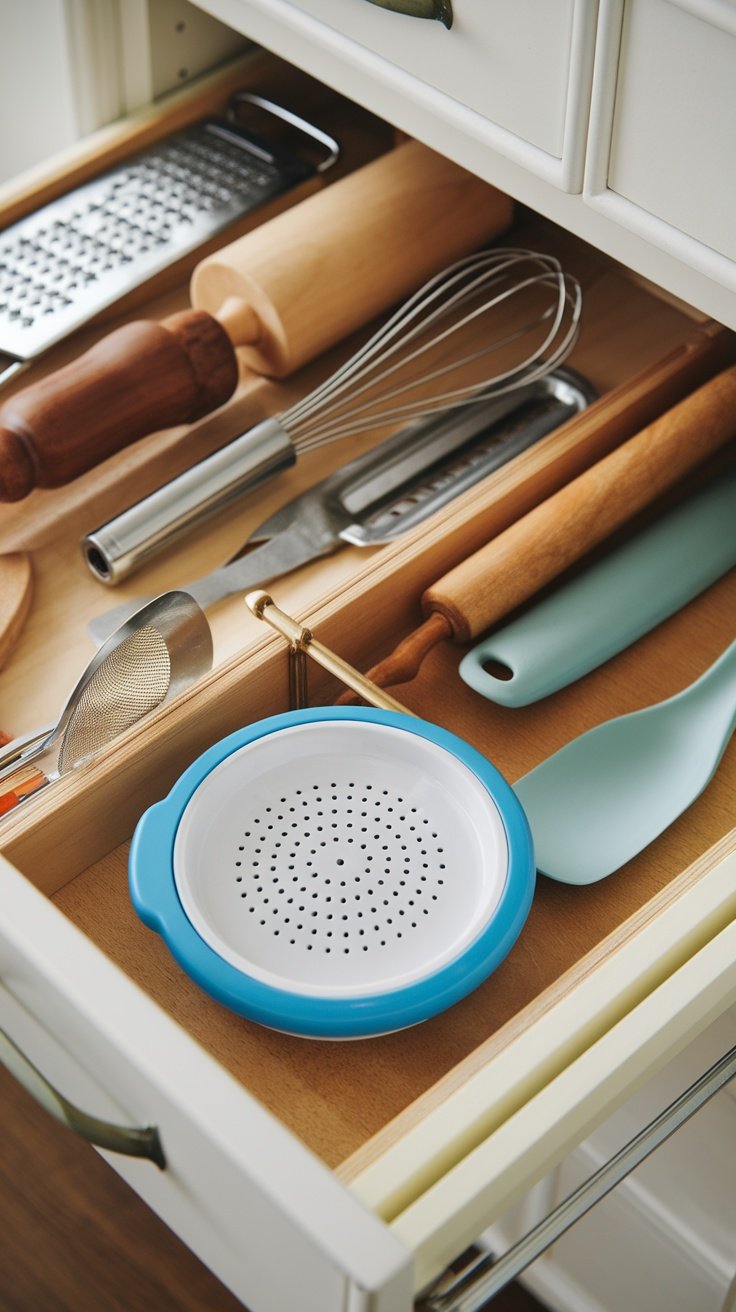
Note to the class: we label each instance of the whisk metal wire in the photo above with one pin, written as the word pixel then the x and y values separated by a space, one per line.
pixel 332 410
pixel 431 356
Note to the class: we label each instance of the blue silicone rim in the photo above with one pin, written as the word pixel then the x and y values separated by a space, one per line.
pixel 156 900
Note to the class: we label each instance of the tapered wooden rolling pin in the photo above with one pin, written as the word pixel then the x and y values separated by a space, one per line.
pixel 285 291
pixel 512 567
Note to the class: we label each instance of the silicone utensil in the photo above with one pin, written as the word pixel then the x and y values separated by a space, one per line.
pixel 542 544
pixel 609 793
pixel 612 603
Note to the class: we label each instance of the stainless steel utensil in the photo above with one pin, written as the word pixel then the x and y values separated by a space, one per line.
pixel 153 656
pixel 604 797
pixel 64 263
pixel 422 360
pixel 371 500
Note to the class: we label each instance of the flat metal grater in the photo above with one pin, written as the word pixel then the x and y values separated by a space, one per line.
pixel 71 259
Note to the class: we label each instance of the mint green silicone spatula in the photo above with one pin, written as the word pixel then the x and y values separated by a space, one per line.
pixel 605 796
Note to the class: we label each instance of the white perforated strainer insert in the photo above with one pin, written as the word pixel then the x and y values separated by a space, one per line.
pixel 340 858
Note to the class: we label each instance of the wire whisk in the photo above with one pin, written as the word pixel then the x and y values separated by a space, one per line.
pixel 516 307
pixel 421 346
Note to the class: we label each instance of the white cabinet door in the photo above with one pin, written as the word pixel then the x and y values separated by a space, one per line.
pixel 509 76
pixel 257 1207
pixel 662 155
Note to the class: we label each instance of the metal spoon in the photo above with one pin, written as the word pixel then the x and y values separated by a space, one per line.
pixel 153 656
pixel 605 796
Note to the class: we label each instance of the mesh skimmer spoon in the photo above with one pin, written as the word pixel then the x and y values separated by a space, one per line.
pixel 154 655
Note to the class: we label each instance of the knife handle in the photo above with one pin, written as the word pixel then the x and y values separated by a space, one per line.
pixel 559 531
pixel 143 377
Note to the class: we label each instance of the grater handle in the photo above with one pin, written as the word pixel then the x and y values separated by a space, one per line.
pixel 143 377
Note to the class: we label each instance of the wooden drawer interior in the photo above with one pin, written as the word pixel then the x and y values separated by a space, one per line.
pixel 642 353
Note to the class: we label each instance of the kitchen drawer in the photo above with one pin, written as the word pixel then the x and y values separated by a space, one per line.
pixel 346 1176
pixel 673 1217
pixel 662 157
pixel 514 76
pixel 622 1255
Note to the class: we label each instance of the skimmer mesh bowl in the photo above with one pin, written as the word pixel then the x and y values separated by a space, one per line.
pixel 132 680
pixel 337 873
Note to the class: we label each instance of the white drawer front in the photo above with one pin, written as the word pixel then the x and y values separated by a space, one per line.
pixel 663 140
pixel 267 1217
pixel 672 1217
pixel 507 59
pixel 510 76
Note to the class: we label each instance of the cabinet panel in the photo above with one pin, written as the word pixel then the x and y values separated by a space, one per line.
pixel 508 61
pixel 662 156
pixel 235 1181
pixel 513 78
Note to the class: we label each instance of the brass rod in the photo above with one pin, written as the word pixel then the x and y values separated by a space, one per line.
pixel 264 608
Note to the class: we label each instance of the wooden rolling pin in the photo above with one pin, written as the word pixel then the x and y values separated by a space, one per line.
pixel 286 290
pixel 512 567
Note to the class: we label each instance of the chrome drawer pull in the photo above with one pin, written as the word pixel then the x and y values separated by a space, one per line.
pixel 143 1142
pixel 473 1288
pixel 439 9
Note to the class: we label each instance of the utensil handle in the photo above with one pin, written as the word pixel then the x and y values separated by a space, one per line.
pixel 143 377
pixel 611 603
pixel 318 271
pixel 521 560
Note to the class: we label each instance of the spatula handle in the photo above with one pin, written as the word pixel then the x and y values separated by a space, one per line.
pixel 143 377
pixel 521 560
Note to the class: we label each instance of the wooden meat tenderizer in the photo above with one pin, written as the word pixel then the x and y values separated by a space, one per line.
pixel 286 291
pixel 514 566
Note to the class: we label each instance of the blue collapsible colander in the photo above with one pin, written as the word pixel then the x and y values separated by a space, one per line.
pixel 336 873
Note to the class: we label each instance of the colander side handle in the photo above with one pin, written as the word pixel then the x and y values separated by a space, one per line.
pixel 149 867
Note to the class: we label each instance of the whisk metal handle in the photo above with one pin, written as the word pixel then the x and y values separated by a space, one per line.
pixel 118 547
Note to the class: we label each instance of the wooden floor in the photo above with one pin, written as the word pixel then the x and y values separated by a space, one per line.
pixel 75 1238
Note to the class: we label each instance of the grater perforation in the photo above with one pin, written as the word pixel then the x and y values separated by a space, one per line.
pixel 67 261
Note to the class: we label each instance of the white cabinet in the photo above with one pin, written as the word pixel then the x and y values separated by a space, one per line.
pixel 616 121
pixel 235 1185
pixel 509 79
pixel 514 64
pixel 662 155
pixel 347 1176
pixel 664 1238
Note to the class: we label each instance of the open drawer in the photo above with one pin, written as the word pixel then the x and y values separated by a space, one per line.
pixel 346 1176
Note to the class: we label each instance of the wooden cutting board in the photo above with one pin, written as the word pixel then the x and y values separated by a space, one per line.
pixel 16 590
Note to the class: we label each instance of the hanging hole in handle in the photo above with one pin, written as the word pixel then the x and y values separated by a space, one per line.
pixel 498 670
